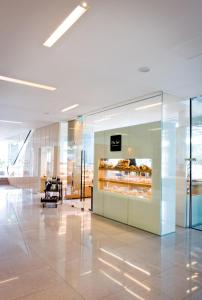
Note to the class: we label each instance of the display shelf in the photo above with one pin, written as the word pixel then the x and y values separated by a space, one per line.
pixel 118 176
pixel 138 192
pixel 125 182
pixel 130 170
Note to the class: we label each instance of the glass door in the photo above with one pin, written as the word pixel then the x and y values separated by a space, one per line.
pixel 196 163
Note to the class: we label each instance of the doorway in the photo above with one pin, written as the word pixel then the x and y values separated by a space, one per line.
pixel 196 163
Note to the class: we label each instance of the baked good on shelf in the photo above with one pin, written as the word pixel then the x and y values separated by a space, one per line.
pixel 145 169
pixel 105 165
pixel 123 164
pixel 134 168
pixel 102 164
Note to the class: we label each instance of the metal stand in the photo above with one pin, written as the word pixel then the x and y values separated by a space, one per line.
pixel 91 199
pixel 53 186
pixel 83 179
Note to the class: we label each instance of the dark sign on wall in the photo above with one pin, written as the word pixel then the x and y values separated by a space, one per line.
pixel 115 143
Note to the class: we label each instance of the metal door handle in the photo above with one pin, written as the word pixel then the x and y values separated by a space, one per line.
pixel 190 159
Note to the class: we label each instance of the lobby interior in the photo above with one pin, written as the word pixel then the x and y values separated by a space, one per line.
pixel 101 150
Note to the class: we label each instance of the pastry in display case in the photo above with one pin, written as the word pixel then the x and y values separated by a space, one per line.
pixel 132 177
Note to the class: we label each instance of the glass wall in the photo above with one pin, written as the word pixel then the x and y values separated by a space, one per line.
pixel 158 109
pixel 17 163
pixel 43 155
pixel 74 150
pixel 196 163
pixel 37 156
pixel 4 155
pixel 175 141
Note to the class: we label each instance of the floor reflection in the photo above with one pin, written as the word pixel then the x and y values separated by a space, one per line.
pixel 65 253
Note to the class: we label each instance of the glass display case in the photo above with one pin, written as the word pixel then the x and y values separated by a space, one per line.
pixel 130 177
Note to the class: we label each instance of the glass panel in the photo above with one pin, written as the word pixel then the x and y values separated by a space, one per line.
pixel 74 159
pixel 47 161
pixel 175 151
pixel 126 176
pixel 3 158
pixel 78 164
pixel 196 163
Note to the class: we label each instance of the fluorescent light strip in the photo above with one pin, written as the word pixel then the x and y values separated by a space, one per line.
pixel 133 294
pixel 102 120
pixel 192 289
pixel 8 280
pixel 28 83
pixel 148 106
pixel 69 107
pixel 112 278
pixel 126 262
pixel 192 264
pixel 138 282
pixel 122 285
pixel 137 268
pixel 12 122
pixel 108 264
pixel 66 24
pixel 110 253
pixel 86 273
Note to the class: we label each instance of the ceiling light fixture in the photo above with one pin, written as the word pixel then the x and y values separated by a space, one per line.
pixel 66 24
pixel 84 4
pixel 148 106
pixel 102 120
pixel 12 122
pixel 28 83
pixel 69 107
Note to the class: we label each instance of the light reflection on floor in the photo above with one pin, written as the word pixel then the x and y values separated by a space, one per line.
pixel 65 253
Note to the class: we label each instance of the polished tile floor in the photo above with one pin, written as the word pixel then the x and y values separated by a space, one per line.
pixel 64 254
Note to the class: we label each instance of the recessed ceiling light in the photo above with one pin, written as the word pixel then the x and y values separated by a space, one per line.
pixel 66 24
pixel 69 107
pixel 102 120
pixel 84 4
pixel 144 69
pixel 28 83
pixel 148 106
pixel 12 122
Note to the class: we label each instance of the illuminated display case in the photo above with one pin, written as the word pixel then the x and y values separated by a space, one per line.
pixel 130 177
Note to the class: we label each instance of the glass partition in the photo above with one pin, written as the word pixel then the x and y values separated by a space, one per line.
pixel 176 167
pixel 126 176
pixel 162 118
pixel 4 155
pixel 47 161
pixel 196 163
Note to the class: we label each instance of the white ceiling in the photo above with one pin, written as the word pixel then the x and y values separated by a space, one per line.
pixel 126 115
pixel 96 62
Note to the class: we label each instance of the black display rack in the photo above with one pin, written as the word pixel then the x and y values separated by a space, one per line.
pixel 53 192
